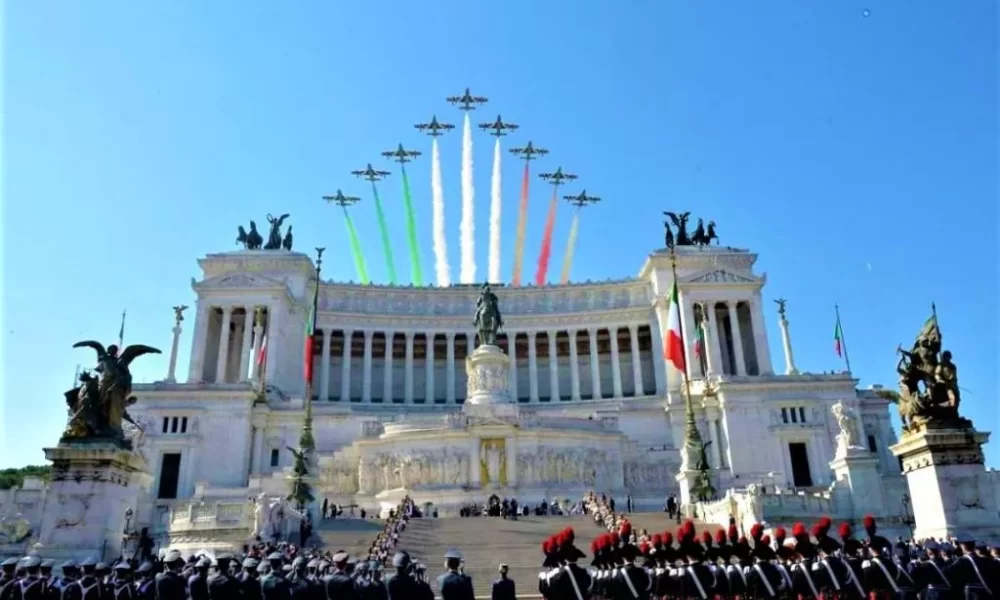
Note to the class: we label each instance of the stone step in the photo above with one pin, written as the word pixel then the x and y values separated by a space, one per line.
pixel 353 536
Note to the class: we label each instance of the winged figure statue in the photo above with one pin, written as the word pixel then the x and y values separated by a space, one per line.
pixel 99 409
pixel 680 222
pixel 274 238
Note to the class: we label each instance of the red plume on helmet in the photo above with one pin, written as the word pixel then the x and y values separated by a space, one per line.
pixel 626 529
pixel 547 546
pixel 869 523
pixel 733 534
pixel 756 531
pixel 644 548
pixel 569 536
pixel 816 531
pixel 844 531
pixel 799 531
pixel 614 538
pixel 766 540
pixel 780 534
pixel 720 537
pixel 706 538
pixel 668 538
pixel 657 540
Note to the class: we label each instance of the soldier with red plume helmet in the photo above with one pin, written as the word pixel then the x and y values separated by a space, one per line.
pixel 764 580
pixel 883 580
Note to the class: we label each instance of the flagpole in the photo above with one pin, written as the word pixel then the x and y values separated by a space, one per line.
pixel 262 372
pixel 121 332
pixel 843 338
pixel 306 441
pixel 692 437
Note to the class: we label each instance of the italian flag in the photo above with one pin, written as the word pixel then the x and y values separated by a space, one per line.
pixel 673 342
pixel 308 354
pixel 838 339
pixel 262 352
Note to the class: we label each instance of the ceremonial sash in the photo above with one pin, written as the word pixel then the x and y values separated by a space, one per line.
pixel 975 568
pixel 697 583
pixel 854 579
pixel 628 582
pixel 833 576
pixel 786 576
pixel 743 575
pixel 763 577
pixel 576 586
pixel 888 577
pixel 25 588
pixel 940 572
pixel 809 579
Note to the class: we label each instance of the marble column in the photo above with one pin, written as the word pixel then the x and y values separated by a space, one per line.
pixel 574 366
pixel 616 369
pixel 786 340
pixel 224 335
pixel 512 353
pixel 760 336
pixel 656 340
pixel 450 369
pixel 258 340
pixel 172 365
pixel 366 376
pixel 258 450
pixel 345 367
pixel 324 366
pixel 714 343
pixel 734 325
pixel 713 437
pixel 710 347
pixel 532 366
pixel 553 367
pixel 408 370
pixel 387 368
pixel 245 345
pixel 429 368
pixel 196 366
pixel 470 343
pixel 633 332
pixel 690 337
pixel 510 451
pixel 595 366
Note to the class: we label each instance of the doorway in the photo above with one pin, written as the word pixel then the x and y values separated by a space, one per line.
pixel 170 471
pixel 799 455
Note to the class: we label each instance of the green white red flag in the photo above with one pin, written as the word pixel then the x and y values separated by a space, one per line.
pixel 262 352
pixel 308 354
pixel 673 341
pixel 838 339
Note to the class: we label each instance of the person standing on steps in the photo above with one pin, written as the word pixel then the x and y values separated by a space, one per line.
pixel 452 585
pixel 503 588
pixel 400 585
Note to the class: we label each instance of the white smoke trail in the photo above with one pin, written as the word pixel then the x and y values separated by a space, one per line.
pixel 437 200
pixel 574 229
pixel 467 228
pixel 495 210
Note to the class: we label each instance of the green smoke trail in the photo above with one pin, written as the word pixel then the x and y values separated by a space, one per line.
pixel 390 265
pixel 411 232
pixel 359 258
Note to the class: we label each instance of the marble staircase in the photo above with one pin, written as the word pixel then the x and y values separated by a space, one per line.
pixel 354 536
pixel 658 522
pixel 485 542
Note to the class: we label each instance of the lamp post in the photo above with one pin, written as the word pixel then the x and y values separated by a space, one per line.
pixel 907 512
pixel 127 532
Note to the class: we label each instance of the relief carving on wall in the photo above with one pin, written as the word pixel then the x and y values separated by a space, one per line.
pixel 488 379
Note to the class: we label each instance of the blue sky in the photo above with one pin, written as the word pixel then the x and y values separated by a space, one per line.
pixel 852 143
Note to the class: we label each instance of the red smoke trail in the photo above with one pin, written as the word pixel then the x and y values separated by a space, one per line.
pixel 546 253
pixel 522 222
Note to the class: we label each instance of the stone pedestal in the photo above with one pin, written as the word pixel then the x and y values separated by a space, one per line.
pixel 948 483
pixel 488 387
pixel 857 470
pixel 93 484
pixel 686 482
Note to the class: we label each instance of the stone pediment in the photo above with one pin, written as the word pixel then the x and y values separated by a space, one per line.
pixel 720 276
pixel 238 280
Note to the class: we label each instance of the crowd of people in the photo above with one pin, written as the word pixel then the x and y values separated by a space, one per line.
pixel 813 564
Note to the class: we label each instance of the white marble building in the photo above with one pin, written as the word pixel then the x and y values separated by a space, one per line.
pixel 389 354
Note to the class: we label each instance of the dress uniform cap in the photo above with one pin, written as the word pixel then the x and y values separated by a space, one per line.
pixel 204 562
pixel 298 562
pixel 48 563
pixel 101 566
pixel 401 559
pixel 964 537
pixel 947 547
pixel 145 567
pixel 10 562
pixel 122 566
pixel 30 562
pixel 322 565
pixel 224 557
pixel 312 564
pixel 69 564
pixel 275 556
pixel 249 562
pixel 340 557
pixel 174 556
pixel 453 553
pixel 932 545
pixel 90 562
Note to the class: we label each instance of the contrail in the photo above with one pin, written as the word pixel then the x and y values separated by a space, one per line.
pixel 495 212
pixel 546 252
pixel 467 229
pixel 522 222
pixel 356 254
pixel 437 199
pixel 574 228
pixel 390 265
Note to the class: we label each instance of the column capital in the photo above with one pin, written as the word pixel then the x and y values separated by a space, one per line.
pixel 572 333
pixel 633 327
pixel 450 335
pixel 593 330
pixel 369 333
pixel 409 335
pixel 227 309
pixel 552 333
pixel 532 334
pixel 326 333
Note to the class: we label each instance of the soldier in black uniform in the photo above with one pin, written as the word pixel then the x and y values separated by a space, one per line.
pixel 7 579
pixel 452 585
pixel 424 589
pixel 550 566
pixel 694 579
pixel 144 589
pixel 170 584
pixel 30 586
pixel 87 587
pixel 274 586
pixel 882 577
pixel 764 580
pixel 572 581
pixel 929 581
pixel 803 582
pixel 338 584
pixel 631 581
pixel 503 588
pixel 221 584
pixel 832 575
pixel 977 576
pixel 298 581
pixel 247 580
pixel 400 585
pixel 197 583
pixel 121 583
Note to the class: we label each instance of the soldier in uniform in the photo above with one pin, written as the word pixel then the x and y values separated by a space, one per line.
pixel 929 581
pixel 832 575
pixel 88 587
pixel 338 584
pixel 170 584
pixel 882 578
pixel 7 579
pixel 694 579
pixel 30 586
pixel 976 575
pixel 298 581
pixel 452 585
pixel 121 584
pixel 197 583
pixel 784 562
pixel 144 588
pixel 249 584
pixel 221 584
pixel 764 580
pixel 503 588
pixel 803 581
pixel 424 590
pixel 274 586
pixel 550 566
pixel 572 581
pixel 399 585
pixel 631 581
